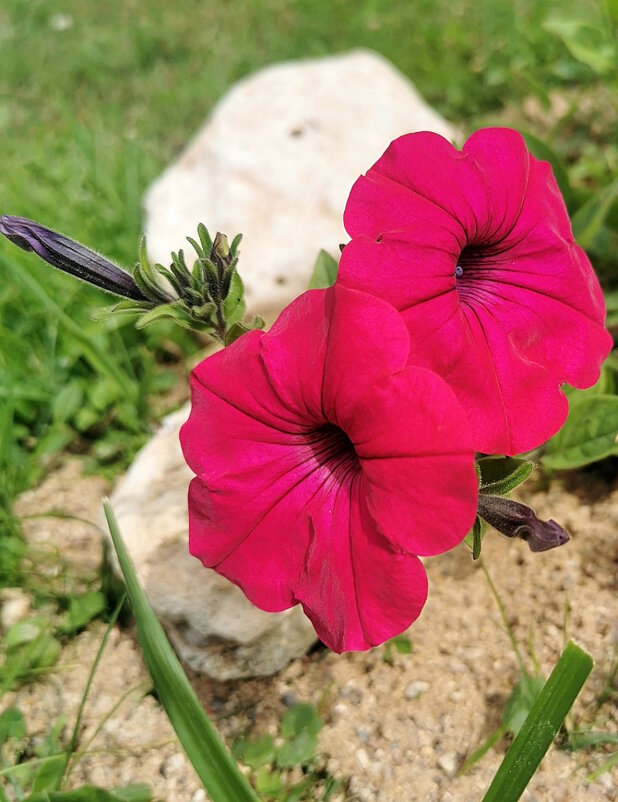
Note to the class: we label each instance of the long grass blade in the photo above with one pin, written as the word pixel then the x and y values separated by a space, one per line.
pixel 541 725
pixel 203 746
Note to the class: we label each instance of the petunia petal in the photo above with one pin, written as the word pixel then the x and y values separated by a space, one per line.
pixel 356 590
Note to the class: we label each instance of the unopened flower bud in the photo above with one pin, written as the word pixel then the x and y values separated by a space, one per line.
pixel 70 256
pixel 514 519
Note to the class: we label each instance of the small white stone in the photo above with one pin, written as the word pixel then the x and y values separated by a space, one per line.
pixel 363 758
pixel 199 796
pixel 449 763
pixel 14 607
pixel 415 689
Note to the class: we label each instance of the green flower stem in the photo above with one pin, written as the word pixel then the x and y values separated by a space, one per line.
pixel 541 725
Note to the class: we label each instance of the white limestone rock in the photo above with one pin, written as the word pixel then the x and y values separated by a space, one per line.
pixel 213 627
pixel 276 161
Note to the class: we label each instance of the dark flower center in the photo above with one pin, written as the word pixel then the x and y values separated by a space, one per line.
pixel 333 450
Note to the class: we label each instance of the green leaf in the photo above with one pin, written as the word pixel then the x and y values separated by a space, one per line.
pixel 171 311
pixel 259 752
pixel 580 739
pixel 83 609
pixel 210 758
pixel 541 725
pixel 590 434
pixel 50 773
pixel 299 750
pixel 234 304
pixel 324 271
pixel 541 150
pixel 588 42
pixel 500 475
pixel 12 724
pixel 589 218
pixel 268 782
pixel 520 702
pixel 301 717
pixel 67 402
pixel 402 643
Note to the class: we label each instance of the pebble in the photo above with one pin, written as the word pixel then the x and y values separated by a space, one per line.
pixel 415 689
pixel 14 607
pixel 199 796
pixel 449 763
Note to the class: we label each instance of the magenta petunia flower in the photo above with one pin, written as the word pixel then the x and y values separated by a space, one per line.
pixel 474 247
pixel 325 463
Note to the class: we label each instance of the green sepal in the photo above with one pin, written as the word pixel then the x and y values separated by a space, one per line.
pixel 234 305
pixel 500 475
pixel 146 277
pixel 175 311
pixel 324 271
pixel 127 307
pixel 205 238
pixel 474 538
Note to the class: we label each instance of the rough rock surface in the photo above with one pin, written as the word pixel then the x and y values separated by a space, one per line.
pixel 212 625
pixel 276 161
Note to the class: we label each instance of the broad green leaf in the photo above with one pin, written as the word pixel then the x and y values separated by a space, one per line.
pixel 324 271
pixel 67 402
pixel 268 782
pixel 50 773
pixel 541 725
pixel 299 750
pixel 83 609
pixel 203 746
pixel 541 150
pixel 402 643
pixel 259 752
pixel 12 724
pixel 587 41
pixel 299 718
pixel 590 434
pixel 500 475
pixel 589 218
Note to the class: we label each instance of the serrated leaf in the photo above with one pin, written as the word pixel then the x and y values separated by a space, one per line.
pixel 301 717
pixel 324 271
pixel 590 434
pixel 500 475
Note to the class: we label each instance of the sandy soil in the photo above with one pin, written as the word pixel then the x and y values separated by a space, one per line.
pixel 398 731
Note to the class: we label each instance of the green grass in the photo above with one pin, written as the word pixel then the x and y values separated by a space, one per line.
pixel 95 99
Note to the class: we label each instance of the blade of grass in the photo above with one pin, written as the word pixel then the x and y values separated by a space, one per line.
pixel 541 725
pixel 203 746
pixel 80 712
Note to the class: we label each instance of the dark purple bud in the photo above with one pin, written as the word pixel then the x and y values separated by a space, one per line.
pixel 70 256
pixel 515 519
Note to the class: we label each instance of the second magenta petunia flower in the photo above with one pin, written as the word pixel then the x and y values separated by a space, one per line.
pixel 324 464
pixel 474 247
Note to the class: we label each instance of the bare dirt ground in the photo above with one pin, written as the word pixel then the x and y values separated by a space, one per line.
pixel 398 731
